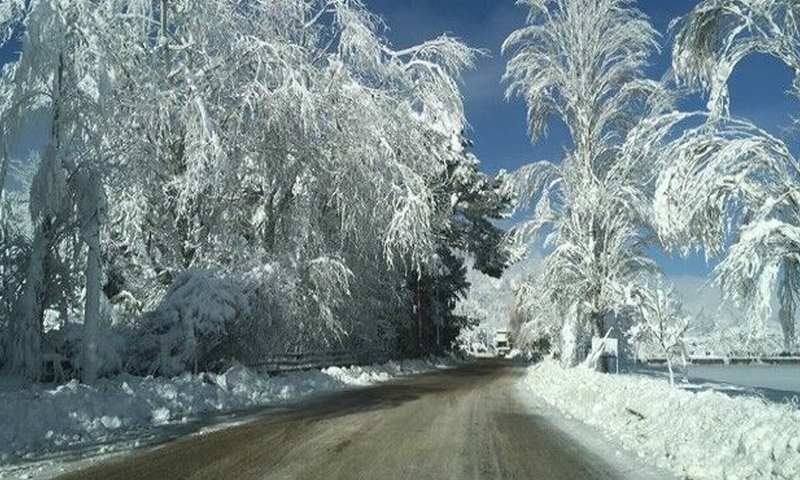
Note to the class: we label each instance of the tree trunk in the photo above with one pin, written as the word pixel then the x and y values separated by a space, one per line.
pixel 788 327
pixel 787 307
pixel 91 317
pixel 685 364
pixel 671 374
pixel 24 349
pixel 91 207
pixel 4 160
pixel 419 315
pixel 6 295
pixel 419 318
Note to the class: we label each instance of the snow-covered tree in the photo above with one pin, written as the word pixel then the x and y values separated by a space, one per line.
pixel 659 322
pixel 60 76
pixel 727 178
pixel 342 120
pixel 262 140
pixel 491 301
pixel 718 34
pixel 581 61
pixel 535 323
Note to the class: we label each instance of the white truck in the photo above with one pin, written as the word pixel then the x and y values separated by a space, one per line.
pixel 502 343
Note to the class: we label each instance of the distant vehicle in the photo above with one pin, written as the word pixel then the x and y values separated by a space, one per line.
pixel 502 343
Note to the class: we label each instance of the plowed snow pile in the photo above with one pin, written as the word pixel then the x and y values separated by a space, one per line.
pixel 702 435
pixel 39 420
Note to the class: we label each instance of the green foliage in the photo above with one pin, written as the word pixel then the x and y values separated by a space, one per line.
pixel 470 200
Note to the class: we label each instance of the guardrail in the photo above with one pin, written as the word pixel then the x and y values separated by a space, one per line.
pixel 289 362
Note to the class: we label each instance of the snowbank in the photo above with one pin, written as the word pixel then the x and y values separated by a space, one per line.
pixel 37 421
pixel 701 435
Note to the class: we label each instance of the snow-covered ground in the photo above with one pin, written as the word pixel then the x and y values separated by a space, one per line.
pixel 698 434
pixel 776 377
pixel 777 383
pixel 627 466
pixel 48 425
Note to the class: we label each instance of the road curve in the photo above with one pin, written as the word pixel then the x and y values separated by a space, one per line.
pixel 460 424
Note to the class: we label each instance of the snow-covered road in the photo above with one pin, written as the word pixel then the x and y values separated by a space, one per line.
pixel 468 422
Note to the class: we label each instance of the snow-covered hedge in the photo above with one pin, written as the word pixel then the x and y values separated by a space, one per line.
pixel 39 420
pixel 703 435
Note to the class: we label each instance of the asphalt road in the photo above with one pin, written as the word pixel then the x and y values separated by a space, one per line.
pixel 456 424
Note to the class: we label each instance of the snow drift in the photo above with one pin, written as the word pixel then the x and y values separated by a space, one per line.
pixel 76 417
pixel 702 435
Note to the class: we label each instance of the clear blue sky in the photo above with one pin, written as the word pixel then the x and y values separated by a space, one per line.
pixel 758 90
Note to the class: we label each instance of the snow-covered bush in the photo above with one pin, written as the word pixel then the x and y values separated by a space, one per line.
pixel 190 327
pixel 67 341
pixel 207 319
pixel 475 339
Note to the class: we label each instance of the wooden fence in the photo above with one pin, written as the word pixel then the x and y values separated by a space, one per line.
pixel 289 362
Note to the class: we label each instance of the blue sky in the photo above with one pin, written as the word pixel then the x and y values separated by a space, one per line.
pixel 758 90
